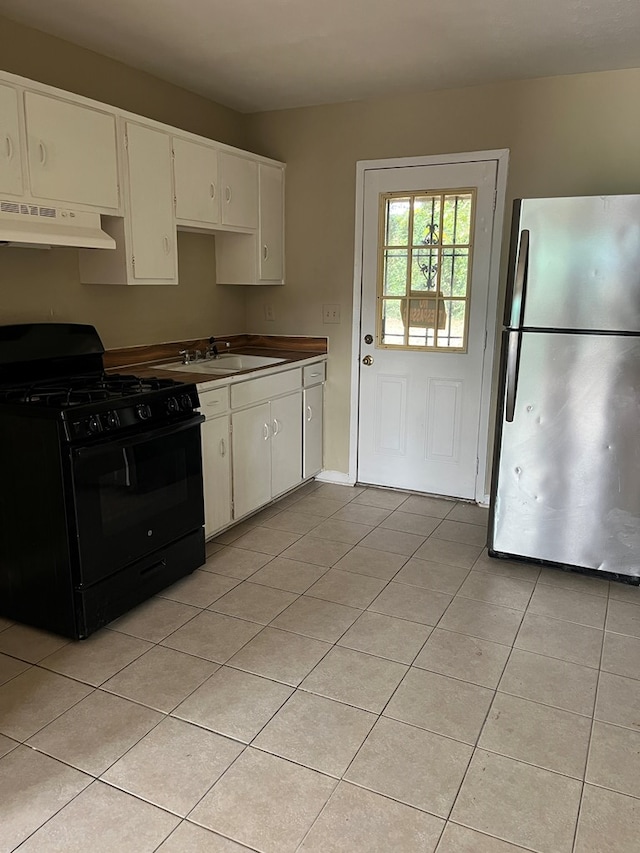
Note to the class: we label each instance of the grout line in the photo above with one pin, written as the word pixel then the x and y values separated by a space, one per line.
pixel 590 742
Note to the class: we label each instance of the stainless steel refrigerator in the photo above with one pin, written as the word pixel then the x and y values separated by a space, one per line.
pixel 566 477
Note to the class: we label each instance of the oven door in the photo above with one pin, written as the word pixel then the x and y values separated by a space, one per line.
pixel 135 495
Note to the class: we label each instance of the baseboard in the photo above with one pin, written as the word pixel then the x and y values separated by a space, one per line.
pixel 335 477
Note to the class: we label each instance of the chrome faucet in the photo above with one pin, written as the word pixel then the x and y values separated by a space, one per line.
pixel 212 350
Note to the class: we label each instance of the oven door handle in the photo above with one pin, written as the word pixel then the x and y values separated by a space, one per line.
pixel 137 438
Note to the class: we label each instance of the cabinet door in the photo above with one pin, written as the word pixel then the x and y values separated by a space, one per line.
pixel 271 222
pixel 10 160
pixel 239 184
pixel 72 152
pixel 216 473
pixel 251 456
pixel 286 444
pixel 312 415
pixel 153 231
pixel 195 170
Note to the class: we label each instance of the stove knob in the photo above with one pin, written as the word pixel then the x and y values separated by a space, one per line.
pixel 93 424
pixel 144 411
pixel 113 420
pixel 173 405
pixel 186 402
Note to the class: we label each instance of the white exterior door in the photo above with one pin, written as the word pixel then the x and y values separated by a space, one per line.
pixel 427 239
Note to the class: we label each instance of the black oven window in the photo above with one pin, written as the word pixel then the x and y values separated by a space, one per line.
pixel 144 481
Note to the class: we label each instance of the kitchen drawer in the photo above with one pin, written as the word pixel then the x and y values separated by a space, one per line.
pixel 214 402
pixel 255 390
pixel 314 374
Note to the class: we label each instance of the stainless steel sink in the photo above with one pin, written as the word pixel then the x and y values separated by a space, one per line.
pixel 225 363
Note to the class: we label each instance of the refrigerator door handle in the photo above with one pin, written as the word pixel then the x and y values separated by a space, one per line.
pixel 513 364
pixel 520 281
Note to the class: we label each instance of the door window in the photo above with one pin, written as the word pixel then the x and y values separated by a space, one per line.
pixel 425 248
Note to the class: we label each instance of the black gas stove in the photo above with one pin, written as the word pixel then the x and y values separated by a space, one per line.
pixel 91 406
pixel 101 492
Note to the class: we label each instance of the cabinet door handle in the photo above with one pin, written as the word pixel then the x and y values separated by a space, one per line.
pixel 265 428
pixel 166 244
pixel 309 413
pixel 265 252
pixel 276 426
pixel 9 147
pixel 212 189
pixel 227 194
pixel 43 153
pixel 223 448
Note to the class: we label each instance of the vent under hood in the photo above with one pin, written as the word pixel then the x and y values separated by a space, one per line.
pixel 23 224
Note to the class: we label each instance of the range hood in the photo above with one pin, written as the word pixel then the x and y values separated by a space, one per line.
pixel 25 224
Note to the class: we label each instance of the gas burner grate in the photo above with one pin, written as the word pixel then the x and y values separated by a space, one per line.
pixel 78 390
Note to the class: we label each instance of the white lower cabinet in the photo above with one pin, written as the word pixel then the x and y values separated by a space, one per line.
pixel 269 444
pixel 251 458
pixel 312 420
pixel 286 443
pixel 216 472
pixel 267 452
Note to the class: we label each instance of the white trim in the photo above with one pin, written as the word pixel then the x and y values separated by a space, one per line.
pixel 501 156
pixel 335 477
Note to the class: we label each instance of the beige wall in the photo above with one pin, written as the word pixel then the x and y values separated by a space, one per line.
pixel 45 284
pixel 567 136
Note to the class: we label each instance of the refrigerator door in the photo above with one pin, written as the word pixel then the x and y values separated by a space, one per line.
pixel 567 481
pixel 583 268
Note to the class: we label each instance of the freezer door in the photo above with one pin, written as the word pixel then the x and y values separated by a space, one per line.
pixel 583 268
pixel 567 485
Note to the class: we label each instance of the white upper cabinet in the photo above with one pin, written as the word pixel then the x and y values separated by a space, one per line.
pixel 72 152
pixel 239 185
pixel 271 182
pixel 195 170
pixel 257 258
pixel 153 231
pixel 11 182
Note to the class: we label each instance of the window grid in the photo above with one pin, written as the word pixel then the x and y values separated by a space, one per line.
pixel 438 316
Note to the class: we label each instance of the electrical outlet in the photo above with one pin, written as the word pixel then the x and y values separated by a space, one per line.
pixel 330 313
pixel 269 313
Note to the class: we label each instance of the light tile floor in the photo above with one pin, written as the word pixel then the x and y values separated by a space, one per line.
pixel 348 672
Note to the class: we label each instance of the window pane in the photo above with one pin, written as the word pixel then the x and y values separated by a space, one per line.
pixel 397 222
pixel 426 220
pixel 451 333
pixel 424 269
pixel 426 314
pixel 454 275
pixel 456 219
pixel 395 272
pixel 392 325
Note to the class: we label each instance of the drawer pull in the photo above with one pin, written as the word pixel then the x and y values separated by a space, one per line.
pixel 316 374
pixel 214 403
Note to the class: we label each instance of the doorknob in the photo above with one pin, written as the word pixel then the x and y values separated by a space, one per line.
pixel 367 360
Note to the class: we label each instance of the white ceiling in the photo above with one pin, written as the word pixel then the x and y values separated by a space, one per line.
pixel 257 55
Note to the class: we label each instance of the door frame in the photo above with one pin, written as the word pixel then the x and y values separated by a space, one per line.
pixel 501 157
